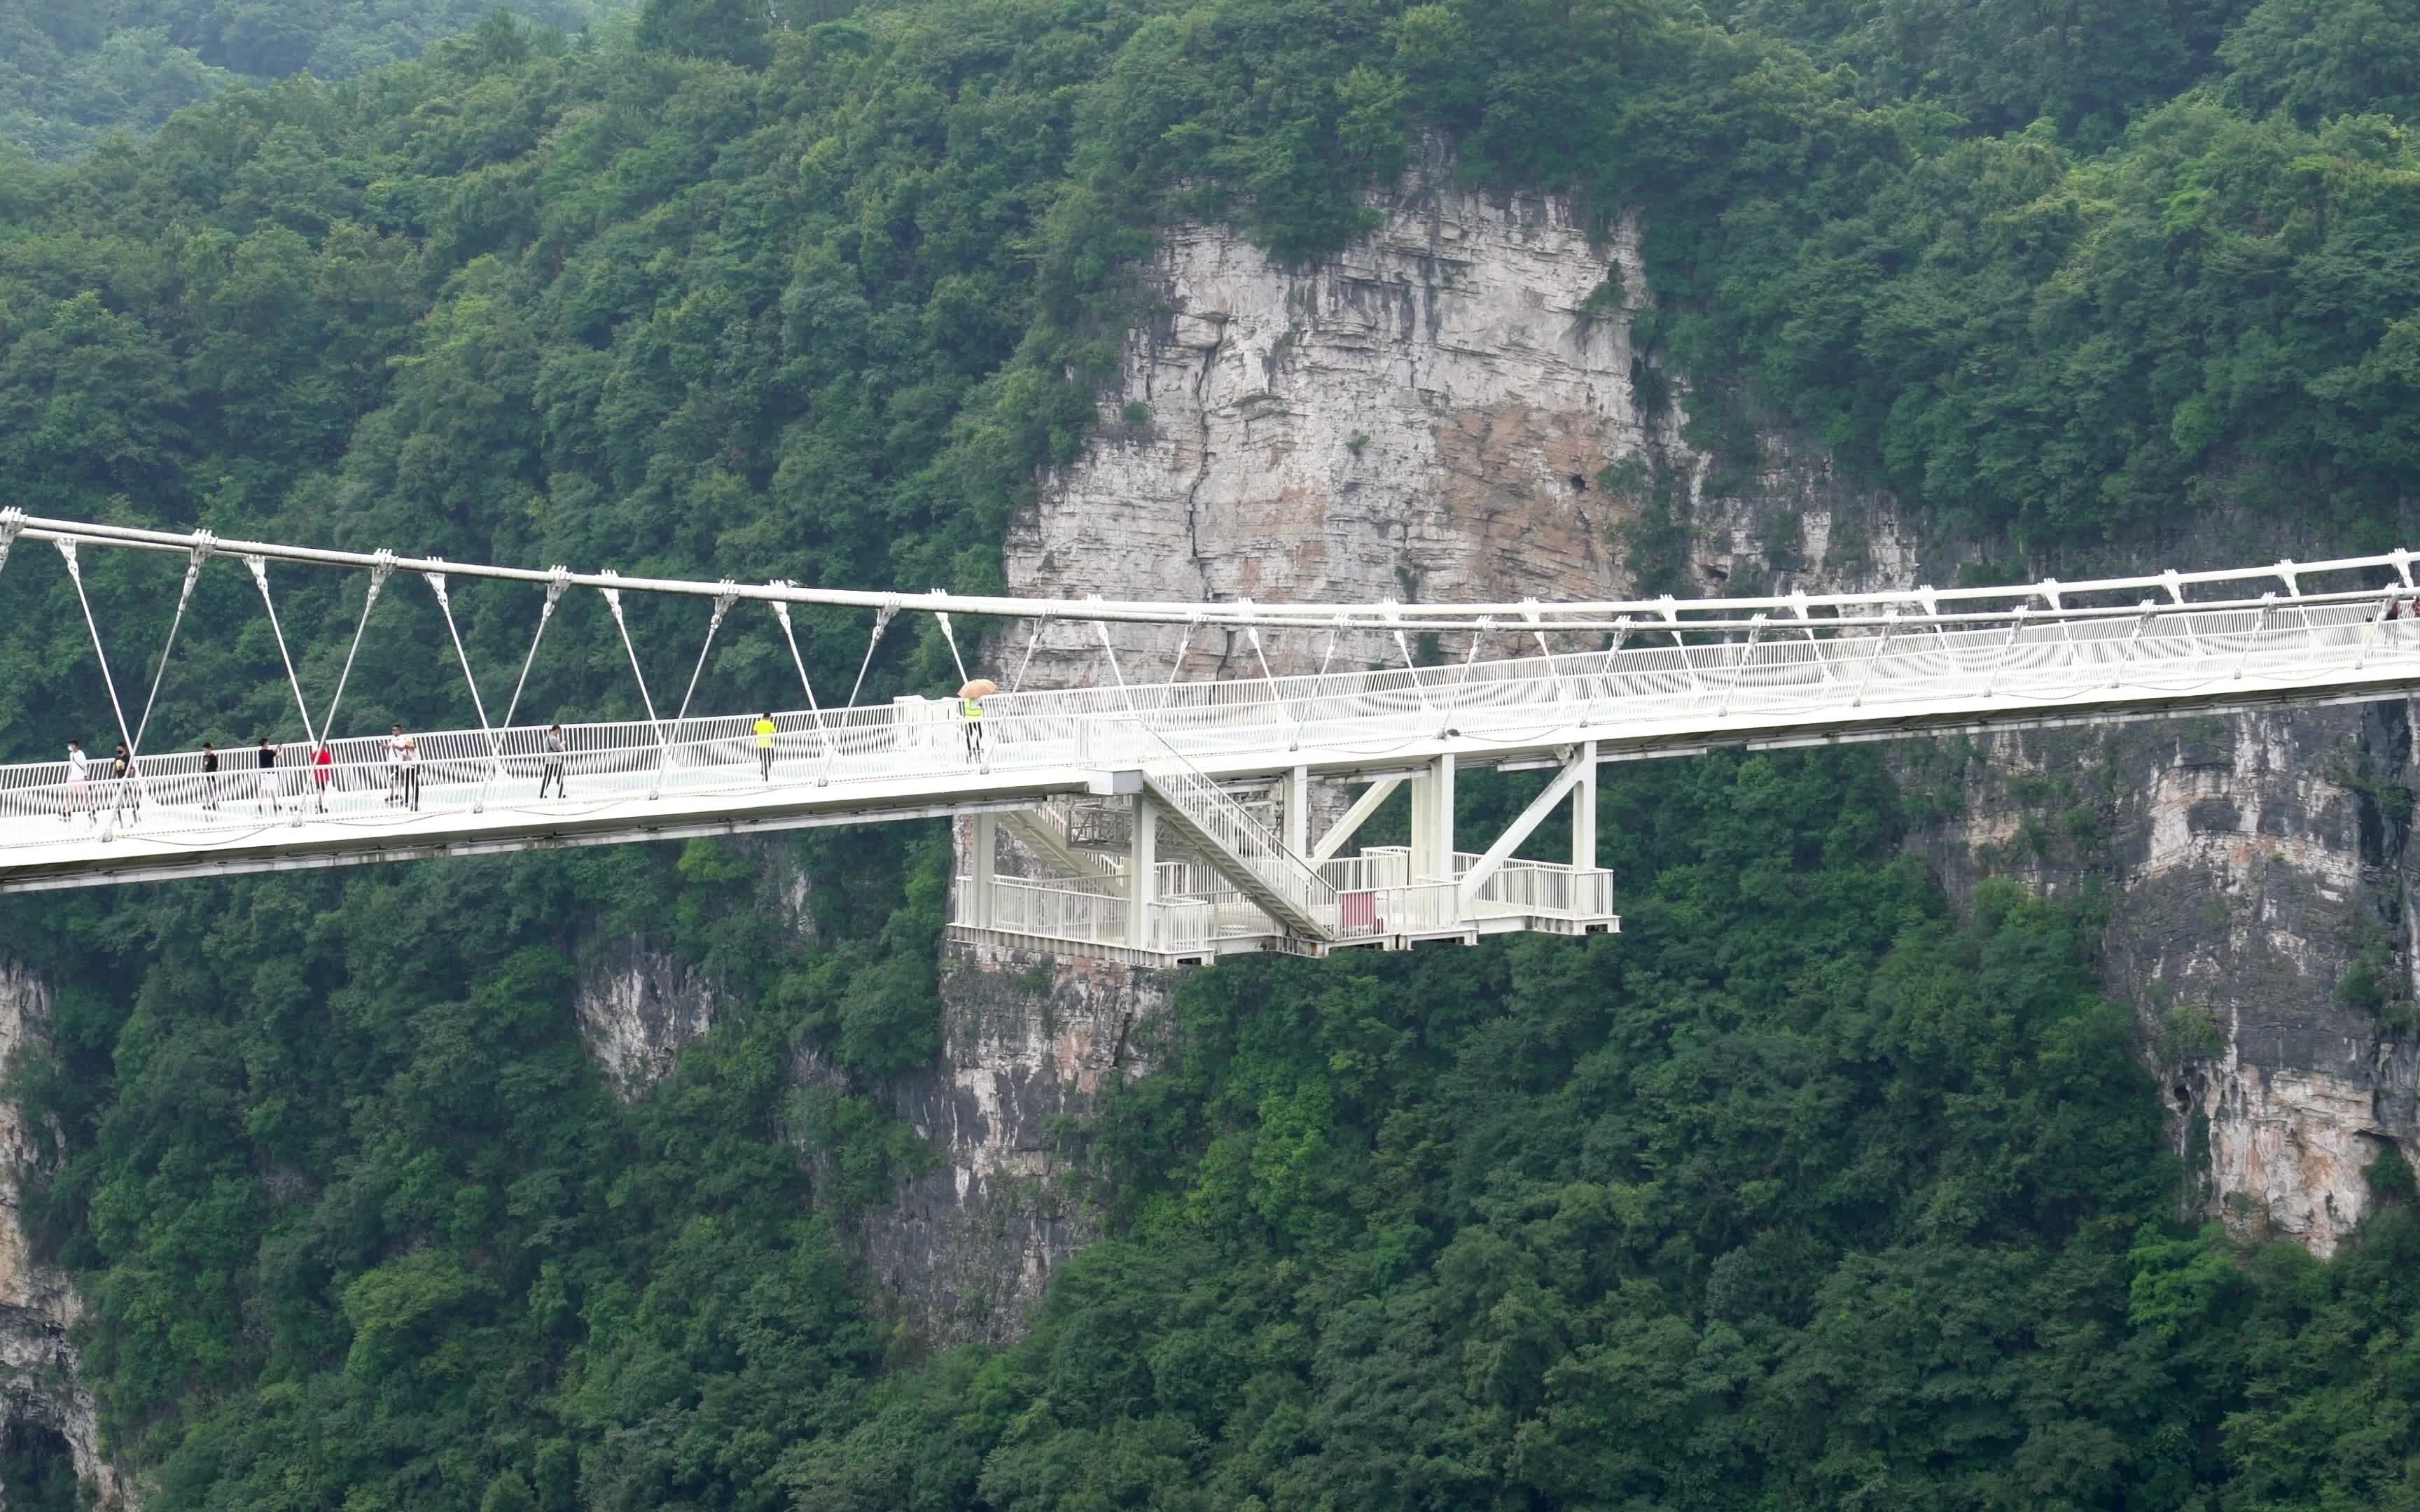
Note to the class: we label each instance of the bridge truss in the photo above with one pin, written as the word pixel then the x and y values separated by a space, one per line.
pixel 1168 821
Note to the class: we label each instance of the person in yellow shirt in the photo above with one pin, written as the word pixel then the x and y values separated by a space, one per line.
pixel 765 745
pixel 971 710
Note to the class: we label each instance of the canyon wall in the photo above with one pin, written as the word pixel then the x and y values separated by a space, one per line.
pixel 1453 409
pixel 39 1386
pixel 1028 1040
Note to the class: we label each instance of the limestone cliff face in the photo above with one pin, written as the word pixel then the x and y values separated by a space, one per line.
pixel 1449 410
pixel 1445 410
pixel 1029 1040
pixel 2258 878
pixel 39 1386
pixel 638 1009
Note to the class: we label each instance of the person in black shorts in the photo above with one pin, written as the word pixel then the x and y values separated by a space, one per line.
pixel 209 776
pixel 123 795
pixel 550 770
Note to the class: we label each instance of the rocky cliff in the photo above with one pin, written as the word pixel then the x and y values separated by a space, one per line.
pixel 1462 406
pixel 1028 1040
pixel 41 1399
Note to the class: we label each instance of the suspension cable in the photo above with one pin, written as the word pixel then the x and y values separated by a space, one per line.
pixel 201 553
pixel 663 749
pixel 723 603
pixel 881 623
pixel 1184 643
pixel 1318 688
pixel 554 591
pixel 369 601
pixel 1252 633
pixel 135 745
pixel 952 637
pixel 1111 652
pixel 260 576
pixel 67 550
pixel 1030 642
pixel 1470 658
pixel 478 705
pixel 782 612
pixel 1420 689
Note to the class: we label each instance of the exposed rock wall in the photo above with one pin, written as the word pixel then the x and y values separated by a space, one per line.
pixel 638 1009
pixel 1447 409
pixel 38 1302
pixel 1030 1039
pixel 2257 881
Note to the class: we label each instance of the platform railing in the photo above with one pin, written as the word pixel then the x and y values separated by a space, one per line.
pixel 1519 886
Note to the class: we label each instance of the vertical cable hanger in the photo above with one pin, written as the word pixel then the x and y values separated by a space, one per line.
pixel 723 602
pixel 663 749
pixel 952 637
pixel 478 705
pixel 782 612
pixel 882 618
pixel 380 572
pixel 310 736
pixel 260 577
pixel 1030 642
pixel 199 554
pixel 75 571
pixel 558 582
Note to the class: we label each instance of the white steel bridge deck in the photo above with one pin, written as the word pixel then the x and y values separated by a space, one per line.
pixel 1668 679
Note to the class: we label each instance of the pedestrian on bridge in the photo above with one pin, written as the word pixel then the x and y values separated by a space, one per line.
pixel 123 794
pixel 550 770
pixel 323 766
pixel 411 771
pixel 971 711
pixel 267 757
pixel 209 776
pixel 395 741
pixel 79 784
pixel 764 728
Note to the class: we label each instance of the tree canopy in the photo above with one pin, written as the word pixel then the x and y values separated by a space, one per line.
pixel 1809 1190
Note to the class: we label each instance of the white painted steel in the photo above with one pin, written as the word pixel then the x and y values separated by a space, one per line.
pixel 1534 619
pixel 1834 683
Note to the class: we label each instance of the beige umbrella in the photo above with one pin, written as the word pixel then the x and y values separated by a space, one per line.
pixel 979 687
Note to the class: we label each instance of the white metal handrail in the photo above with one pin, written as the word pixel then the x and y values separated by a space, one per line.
pixel 1645 691
pixel 1232 828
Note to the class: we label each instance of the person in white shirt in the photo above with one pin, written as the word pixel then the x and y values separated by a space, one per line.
pixel 411 771
pixel 395 742
pixel 79 784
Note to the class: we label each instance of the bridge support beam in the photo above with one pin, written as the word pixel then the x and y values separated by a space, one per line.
pixel 982 859
pixel 1295 805
pixel 1142 871
pixel 1584 808
pixel 1433 821
pixel 1567 780
pixel 1354 817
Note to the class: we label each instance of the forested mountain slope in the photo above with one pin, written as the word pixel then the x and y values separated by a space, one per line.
pixel 1806 1192
pixel 71 72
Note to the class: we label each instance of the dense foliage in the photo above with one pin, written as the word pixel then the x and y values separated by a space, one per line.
pixel 71 72
pixel 1805 1192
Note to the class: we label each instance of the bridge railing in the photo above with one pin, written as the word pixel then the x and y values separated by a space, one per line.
pixel 1776 672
